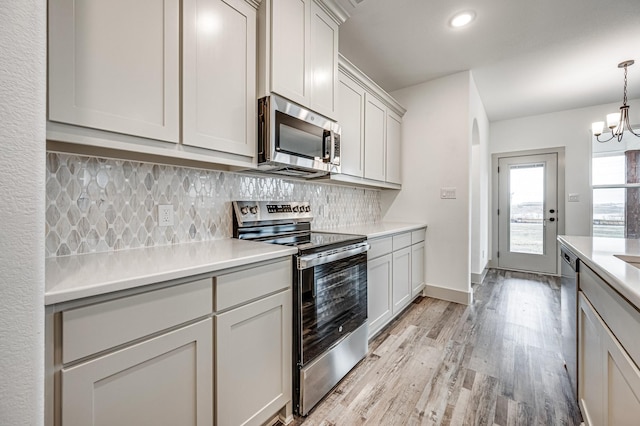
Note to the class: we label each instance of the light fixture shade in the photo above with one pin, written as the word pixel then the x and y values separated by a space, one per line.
pixel 597 128
pixel 613 120
pixel 462 19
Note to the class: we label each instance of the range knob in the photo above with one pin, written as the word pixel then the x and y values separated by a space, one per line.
pixel 307 209
pixel 295 209
pixel 253 209
pixel 244 210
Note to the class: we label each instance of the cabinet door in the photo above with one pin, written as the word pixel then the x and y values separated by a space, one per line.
pixel 590 365
pixel 379 302
pixel 394 164
pixel 324 62
pixel 219 75
pixel 374 139
pixel 290 55
pixel 166 380
pixel 622 404
pixel 253 361
pixel 114 65
pixel 401 279
pixel 417 268
pixel 351 118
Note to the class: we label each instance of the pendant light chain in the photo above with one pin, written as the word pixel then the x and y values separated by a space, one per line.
pixel 624 99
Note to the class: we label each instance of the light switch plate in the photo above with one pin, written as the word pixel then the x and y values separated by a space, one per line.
pixel 165 215
pixel 574 198
pixel 448 193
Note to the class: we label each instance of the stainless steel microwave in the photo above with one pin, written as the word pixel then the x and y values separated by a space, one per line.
pixel 294 141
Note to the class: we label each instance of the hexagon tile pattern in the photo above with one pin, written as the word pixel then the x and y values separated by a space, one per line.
pixel 98 205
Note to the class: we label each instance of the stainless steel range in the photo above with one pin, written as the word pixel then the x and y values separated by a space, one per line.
pixel 330 331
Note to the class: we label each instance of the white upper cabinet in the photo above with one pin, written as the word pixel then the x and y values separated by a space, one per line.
pixel 371 123
pixel 114 65
pixel 290 51
pixel 324 62
pixel 374 134
pixel 393 149
pixel 130 76
pixel 298 52
pixel 351 118
pixel 219 101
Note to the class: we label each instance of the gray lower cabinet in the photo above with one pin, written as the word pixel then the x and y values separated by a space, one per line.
pixel 379 298
pixel 401 279
pixel 395 274
pixel 417 268
pixel 608 348
pixel 212 350
pixel 166 380
pixel 253 361
pixel 590 362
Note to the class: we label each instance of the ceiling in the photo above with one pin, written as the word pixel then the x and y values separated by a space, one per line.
pixel 527 57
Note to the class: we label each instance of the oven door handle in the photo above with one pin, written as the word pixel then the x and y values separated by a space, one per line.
pixel 309 261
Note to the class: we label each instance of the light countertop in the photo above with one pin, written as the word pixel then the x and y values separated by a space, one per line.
pixel 598 253
pixel 380 229
pixel 74 277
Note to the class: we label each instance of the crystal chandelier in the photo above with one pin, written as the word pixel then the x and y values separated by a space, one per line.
pixel 617 122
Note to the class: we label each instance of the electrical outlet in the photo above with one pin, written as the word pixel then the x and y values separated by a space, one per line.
pixel 448 193
pixel 574 198
pixel 165 215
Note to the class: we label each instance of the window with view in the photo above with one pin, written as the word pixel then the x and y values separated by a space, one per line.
pixel 615 180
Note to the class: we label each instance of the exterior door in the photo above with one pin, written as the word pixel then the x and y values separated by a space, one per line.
pixel 528 212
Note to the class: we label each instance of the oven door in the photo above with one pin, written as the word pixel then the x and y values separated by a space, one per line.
pixel 333 302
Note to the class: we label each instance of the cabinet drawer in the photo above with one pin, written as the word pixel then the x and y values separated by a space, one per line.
pixel 95 328
pixel 379 247
pixel 401 241
pixel 622 319
pixel 239 287
pixel 418 236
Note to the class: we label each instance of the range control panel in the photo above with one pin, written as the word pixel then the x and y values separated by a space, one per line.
pixel 260 211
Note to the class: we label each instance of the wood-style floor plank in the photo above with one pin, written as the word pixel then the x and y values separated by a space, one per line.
pixel 496 362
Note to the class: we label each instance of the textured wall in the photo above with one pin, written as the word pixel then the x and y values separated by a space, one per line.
pixel 97 205
pixel 22 168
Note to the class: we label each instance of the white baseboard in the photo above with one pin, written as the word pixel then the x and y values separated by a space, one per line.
pixel 477 278
pixel 451 295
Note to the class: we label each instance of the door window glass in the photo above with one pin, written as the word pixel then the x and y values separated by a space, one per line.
pixel 526 208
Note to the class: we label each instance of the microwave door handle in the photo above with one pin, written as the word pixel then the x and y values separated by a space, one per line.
pixel 326 146
pixel 331 146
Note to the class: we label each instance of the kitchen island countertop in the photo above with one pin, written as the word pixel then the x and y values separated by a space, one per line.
pixel 598 253
pixel 380 229
pixel 69 278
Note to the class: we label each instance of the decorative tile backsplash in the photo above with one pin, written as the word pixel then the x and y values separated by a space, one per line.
pixel 98 205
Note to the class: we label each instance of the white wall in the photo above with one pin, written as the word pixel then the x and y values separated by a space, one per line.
pixel 22 137
pixel 480 183
pixel 570 129
pixel 436 153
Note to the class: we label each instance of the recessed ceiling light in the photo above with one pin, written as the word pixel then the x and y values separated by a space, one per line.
pixel 463 18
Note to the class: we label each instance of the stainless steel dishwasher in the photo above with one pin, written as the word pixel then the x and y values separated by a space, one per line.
pixel 569 315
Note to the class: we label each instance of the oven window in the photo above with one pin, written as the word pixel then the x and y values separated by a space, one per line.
pixel 334 302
